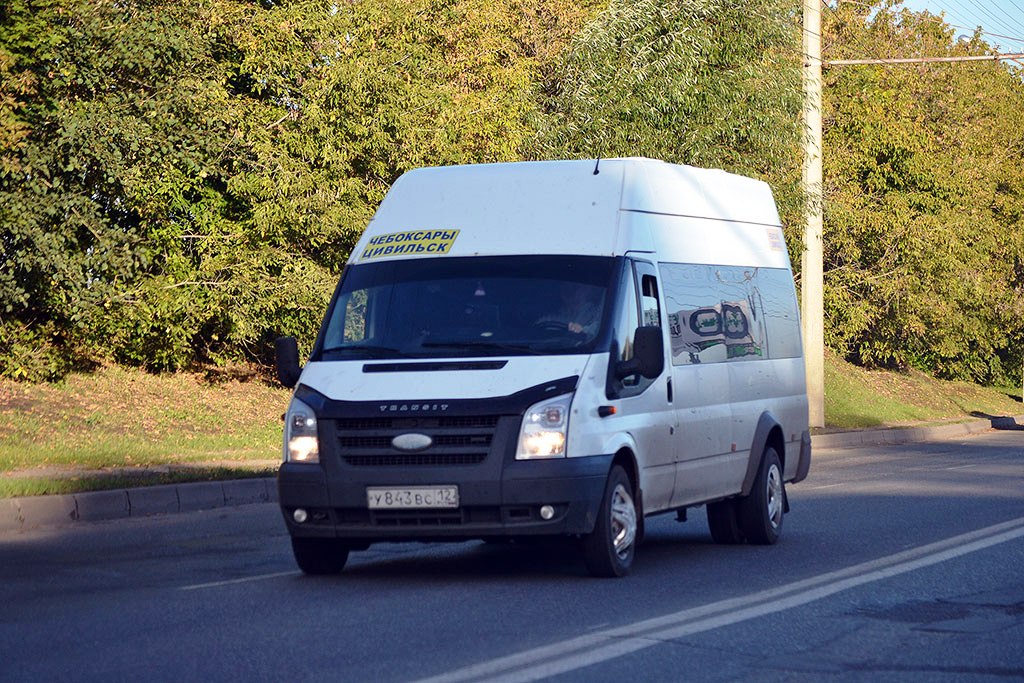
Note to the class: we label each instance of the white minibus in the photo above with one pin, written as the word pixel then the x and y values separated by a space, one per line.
pixel 550 349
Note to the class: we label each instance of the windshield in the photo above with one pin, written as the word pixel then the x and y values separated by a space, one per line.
pixel 462 307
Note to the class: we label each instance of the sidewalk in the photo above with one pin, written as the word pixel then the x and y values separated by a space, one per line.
pixel 896 436
pixel 21 514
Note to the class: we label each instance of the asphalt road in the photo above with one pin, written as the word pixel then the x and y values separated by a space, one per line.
pixel 901 563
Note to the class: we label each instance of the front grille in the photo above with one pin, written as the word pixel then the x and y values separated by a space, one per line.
pixel 361 517
pixel 384 442
pixel 364 423
pixel 417 518
pixel 405 459
pixel 456 440
pixel 482 422
pixel 443 422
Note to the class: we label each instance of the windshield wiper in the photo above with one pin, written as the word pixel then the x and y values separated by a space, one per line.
pixel 494 346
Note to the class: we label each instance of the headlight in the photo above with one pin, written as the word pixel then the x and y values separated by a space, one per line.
pixel 544 430
pixel 301 443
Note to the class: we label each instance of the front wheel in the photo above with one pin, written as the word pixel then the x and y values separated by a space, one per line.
pixel 319 555
pixel 760 513
pixel 609 548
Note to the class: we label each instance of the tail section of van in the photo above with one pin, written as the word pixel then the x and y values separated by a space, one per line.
pixel 555 349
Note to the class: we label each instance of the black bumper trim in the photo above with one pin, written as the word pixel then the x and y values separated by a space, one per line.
pixel 509 507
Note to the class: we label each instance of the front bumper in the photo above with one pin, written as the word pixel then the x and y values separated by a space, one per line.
pixel 498 500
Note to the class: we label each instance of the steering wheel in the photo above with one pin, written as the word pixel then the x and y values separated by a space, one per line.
pixel 551 326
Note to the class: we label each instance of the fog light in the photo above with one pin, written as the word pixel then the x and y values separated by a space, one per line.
pixel 547 512
pixel 300 515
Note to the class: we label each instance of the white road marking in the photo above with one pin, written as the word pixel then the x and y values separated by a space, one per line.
pixel 230 582
pixel 824 486
pixel 590 649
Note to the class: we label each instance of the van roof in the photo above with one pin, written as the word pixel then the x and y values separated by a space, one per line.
pixel 550 207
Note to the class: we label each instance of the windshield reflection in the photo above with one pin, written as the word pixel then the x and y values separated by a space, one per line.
pixel 463 307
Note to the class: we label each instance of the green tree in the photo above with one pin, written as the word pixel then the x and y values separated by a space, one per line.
pixel 184 180
pixel 924 200
pixel 702 82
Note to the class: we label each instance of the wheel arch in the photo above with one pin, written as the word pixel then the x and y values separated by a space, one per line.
pixel 767 434
pixel 624 448
pixel 626 459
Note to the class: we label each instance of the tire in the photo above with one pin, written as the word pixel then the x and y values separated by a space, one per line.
pixel 761 512
pixel 724 523
pixel 610 547
pixel 319 556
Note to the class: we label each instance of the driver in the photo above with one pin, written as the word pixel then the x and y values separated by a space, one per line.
pixel 579 309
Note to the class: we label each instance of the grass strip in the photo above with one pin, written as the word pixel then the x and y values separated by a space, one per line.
pixel 13 487
pixel 122 428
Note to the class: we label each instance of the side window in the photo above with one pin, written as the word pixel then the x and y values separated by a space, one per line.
pixel 355 317
pixel 626 324
pixel 639 305
pixel 349 321
pixel 722 314
pixel 650 308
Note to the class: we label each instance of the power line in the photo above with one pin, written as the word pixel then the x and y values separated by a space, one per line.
pixel 989 33
pixel 997 22
pixel 1008 15
pixel 926 60
pixel 946 8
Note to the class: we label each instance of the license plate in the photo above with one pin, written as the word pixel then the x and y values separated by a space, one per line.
pixel 412 497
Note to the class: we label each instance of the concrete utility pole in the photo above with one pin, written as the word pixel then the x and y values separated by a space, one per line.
pixel 812 273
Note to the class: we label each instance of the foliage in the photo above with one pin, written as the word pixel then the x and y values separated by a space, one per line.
pixel 183 181
pixel 703 82
pixel 924 223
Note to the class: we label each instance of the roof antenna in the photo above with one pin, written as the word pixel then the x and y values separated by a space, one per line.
pixel 597 166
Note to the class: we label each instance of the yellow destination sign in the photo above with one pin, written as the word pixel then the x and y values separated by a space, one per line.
pixel 425 242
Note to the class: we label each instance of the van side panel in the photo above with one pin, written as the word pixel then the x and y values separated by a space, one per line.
pixel 644 424
pixel 734 339
pixel 771 386
pixel 674 190
pixel 682 239
pixel 705 428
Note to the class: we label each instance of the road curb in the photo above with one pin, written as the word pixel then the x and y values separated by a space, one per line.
pixel 907 435
pixel 22 514
pixel 30 512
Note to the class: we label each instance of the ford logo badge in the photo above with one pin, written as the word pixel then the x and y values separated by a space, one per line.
pixel 412 442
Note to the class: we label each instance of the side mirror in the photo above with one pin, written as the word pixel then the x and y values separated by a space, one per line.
pixel 648 354
pixel 286 360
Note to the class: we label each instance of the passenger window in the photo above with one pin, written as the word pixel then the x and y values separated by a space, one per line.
pixel 627 323
pixel 355 317
pixel 639 305
pixel 649 298
pixel 720 314
pixel 350 320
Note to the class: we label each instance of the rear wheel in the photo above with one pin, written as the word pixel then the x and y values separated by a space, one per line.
pixel 319 555
pixel 609 548
pixel 723 520
pixel 760 513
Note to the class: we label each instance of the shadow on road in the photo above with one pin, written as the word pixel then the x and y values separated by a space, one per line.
pixel 1000 422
